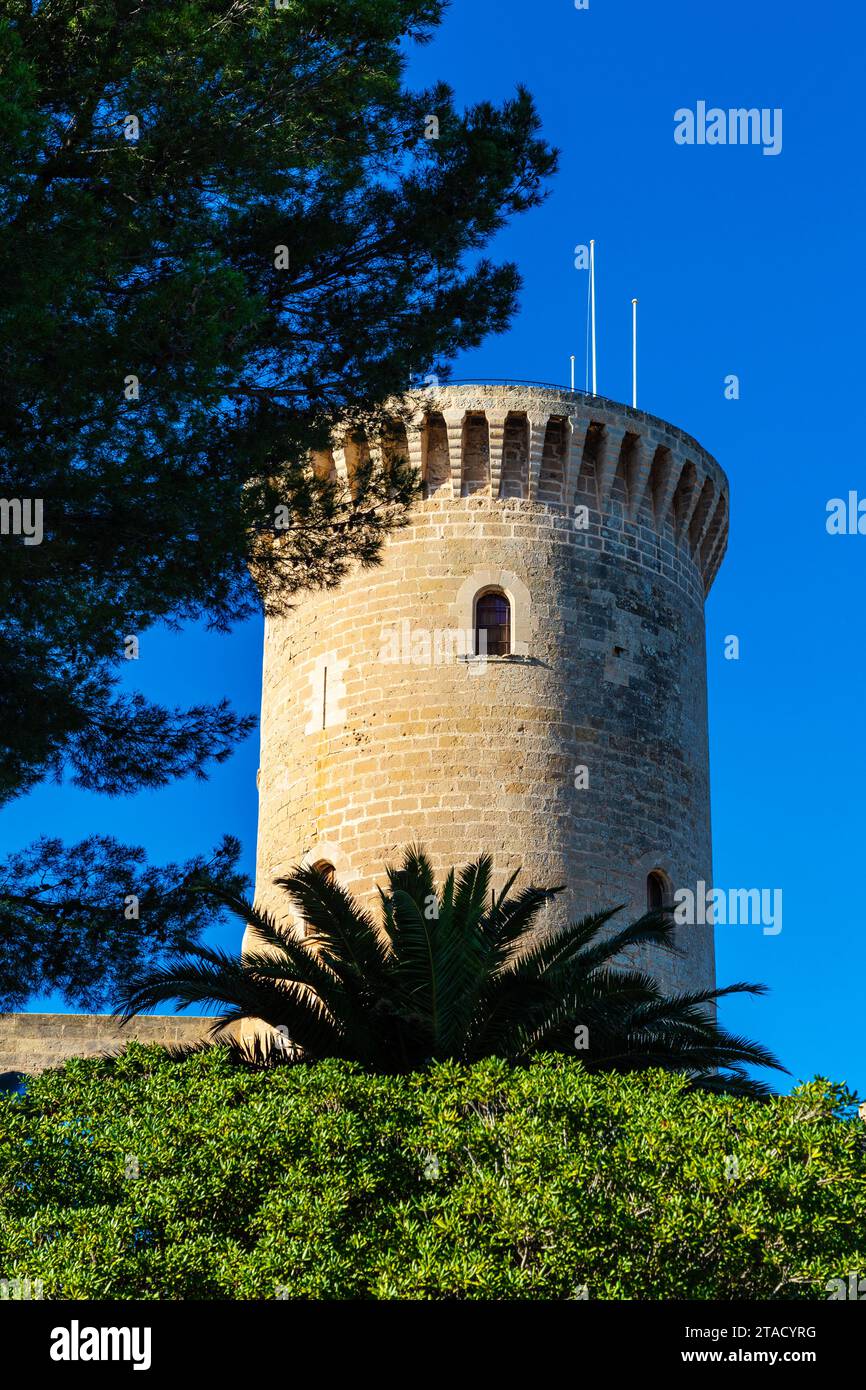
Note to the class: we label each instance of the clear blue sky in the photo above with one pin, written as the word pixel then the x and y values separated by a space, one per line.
pixel 743 264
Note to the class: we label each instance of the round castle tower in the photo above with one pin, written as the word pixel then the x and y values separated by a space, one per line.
pixel 576 539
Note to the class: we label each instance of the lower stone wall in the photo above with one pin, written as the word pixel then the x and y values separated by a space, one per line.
pixel 32 1043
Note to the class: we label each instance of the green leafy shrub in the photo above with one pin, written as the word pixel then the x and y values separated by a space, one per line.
pixel 483 1181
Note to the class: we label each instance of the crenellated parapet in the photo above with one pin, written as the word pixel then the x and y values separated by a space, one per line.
pixel 568 449
pixel 564 450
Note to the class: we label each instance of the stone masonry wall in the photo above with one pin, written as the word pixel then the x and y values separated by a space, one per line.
pixel 376 731
pixel 32 1043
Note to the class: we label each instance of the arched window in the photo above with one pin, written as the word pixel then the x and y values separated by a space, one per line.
pixel 493 618
pixel 493 598
pixel 658 894
pixel 322 866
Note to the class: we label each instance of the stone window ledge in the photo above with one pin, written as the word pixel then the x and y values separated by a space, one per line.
pixel 510 658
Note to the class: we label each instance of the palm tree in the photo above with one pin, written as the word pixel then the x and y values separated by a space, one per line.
pixel 456 973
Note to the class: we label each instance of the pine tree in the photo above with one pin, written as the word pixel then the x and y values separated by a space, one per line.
pixel 225 231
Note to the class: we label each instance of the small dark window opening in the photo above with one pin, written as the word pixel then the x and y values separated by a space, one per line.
pixel 326 868
pixel 657 894
pixel 493 617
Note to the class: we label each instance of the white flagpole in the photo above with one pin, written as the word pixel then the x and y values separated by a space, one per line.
pixel 634 353
pixel 572 371
pixel 592 306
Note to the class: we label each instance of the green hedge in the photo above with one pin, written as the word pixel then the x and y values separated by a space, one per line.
pixel 469 1182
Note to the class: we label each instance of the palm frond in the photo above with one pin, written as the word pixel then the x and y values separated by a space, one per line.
pixel 342 931
pixel 457 972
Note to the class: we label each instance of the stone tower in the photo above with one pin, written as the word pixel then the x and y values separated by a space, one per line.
pixel 576 538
